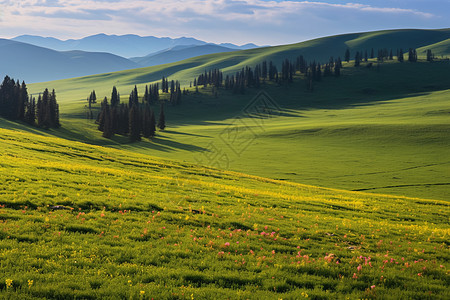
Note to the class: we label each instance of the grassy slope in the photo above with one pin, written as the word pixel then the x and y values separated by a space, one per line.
pixel 185 71
pixel 439 49
pixel 143 227
pixel 386 128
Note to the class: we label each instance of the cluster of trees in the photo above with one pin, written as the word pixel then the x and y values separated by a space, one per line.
pixel 16 104
pixel 174 90
pixel 135 119
pixel 151 95
pixel 412 55
pixel 213 77
pixel 253 77
pixel 316 71
pixel 243 79
pixel 385 54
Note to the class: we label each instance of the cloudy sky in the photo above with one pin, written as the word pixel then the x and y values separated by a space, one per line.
pixel 238 21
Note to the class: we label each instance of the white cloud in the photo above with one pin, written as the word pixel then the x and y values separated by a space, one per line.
pixel 263 22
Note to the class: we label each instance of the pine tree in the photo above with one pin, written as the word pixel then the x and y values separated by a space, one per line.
pixel 162 118
pixel 400 57
pixel 264 70
pixel 46 110
pixel 429 55
pixel 347 55
pixel 102 115
pixel 412 55
pixel 124 116
pixel 94 97
pixel 146 95
pixel 152 124
pixel 108 128
pixel 357 59
pixel 337 69
pixel 146 122
pixel 54 111
pixel 114 97
pixel 40 112
pixel 30 111
pixel 135 124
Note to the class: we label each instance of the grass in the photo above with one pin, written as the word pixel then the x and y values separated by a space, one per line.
pixel 381 130
pixel 86 217
pixel 140 227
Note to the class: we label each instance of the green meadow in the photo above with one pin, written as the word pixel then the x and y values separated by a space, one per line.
pixel 278 193
pixel 139 227
pixel 382 130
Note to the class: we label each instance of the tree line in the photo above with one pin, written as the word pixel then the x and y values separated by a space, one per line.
pixel 17 105
pixel 249 77
pixel 134 119
pixel 385 54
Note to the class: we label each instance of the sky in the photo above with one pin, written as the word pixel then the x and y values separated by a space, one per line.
pixel 237 21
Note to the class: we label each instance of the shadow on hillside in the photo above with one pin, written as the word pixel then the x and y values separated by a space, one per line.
pixel 164 144
pixel 158 143
pixel 184 133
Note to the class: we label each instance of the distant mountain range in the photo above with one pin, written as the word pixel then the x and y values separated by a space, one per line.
pixel 121 45
pixel 38 59
pixel 36 64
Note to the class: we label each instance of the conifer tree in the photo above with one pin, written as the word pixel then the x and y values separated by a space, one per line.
pixel 162 118
pixel 114 97
pixel 347 55
pixel 357 59
pixel 102 115
pixel 152 124
pixel 412 55
pixel 135 124
pixel 30 111
pixel 108 128
pixel 264 70
pixel 429 55
pixel 40 112
pixel 337 68
pixel 54 111
pixel 400 57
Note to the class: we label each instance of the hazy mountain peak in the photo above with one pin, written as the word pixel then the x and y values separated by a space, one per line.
pixel 129 45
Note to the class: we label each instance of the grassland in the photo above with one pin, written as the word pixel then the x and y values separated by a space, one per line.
pixel 140 227
pixel 381 130
pixel 86 217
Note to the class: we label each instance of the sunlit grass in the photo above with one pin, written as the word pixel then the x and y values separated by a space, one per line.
pixel 143 227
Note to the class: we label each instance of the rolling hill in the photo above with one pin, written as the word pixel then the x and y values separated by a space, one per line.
pixel 36 64
pixel 82 221
pixel 369 120
pixel 179 53
pixel 319 49
pixel 238 197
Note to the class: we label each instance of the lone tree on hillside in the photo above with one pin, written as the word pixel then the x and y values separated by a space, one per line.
pixel 115 100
